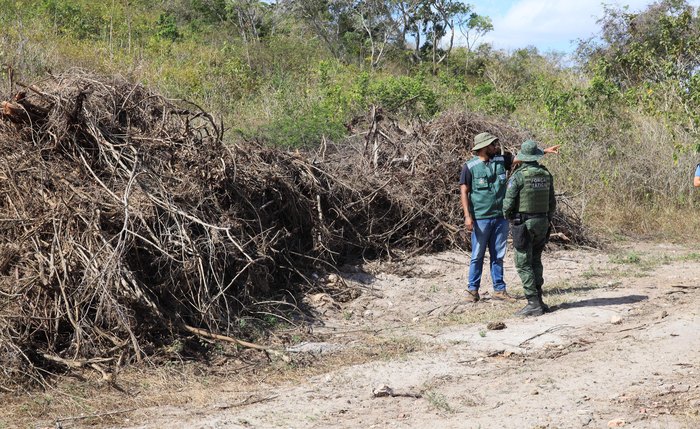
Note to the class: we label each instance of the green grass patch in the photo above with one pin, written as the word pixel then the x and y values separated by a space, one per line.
pixel 630 257
pixel 694 257
pixel 438 401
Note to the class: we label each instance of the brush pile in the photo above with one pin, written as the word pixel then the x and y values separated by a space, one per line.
pixel 127 224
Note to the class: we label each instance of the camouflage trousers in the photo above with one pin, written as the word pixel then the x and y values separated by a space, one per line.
pixel 528 260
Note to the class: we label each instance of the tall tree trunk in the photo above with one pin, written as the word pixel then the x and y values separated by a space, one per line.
pixel 416 53
pixel 434 56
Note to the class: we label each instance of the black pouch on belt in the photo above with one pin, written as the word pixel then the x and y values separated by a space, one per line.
pixel 520 236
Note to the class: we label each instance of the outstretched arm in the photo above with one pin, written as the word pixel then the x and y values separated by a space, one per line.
pixel 552 149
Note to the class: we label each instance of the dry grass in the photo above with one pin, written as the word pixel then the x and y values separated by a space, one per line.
pixel 191 383
pixel 662 222
pixel 637 183
pixel 481 313
pixel 136 389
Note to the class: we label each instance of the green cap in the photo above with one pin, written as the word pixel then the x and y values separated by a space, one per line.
pixel 529 152
pixel 482 140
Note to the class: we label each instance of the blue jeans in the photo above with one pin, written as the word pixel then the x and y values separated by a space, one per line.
pixel 491 233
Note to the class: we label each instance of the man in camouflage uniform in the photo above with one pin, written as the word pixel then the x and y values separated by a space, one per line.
pixel 530 203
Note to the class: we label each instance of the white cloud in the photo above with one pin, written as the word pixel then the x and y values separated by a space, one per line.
pixel 552 24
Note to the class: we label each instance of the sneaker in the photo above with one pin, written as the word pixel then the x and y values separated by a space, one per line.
pixel 472 295
pixel 502 295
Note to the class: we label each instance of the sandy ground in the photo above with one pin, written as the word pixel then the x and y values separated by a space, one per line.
pixel 621 349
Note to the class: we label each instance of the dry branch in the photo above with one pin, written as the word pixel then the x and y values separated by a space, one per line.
pixel 124 217
pixel 207 334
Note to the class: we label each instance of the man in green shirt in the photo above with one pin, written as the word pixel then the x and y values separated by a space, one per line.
pixel 482 187
pixel 530 203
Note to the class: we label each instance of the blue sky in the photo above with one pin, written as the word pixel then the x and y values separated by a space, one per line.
pixel 546 24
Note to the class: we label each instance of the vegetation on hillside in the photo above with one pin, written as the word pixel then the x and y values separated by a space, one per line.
pixel 293 73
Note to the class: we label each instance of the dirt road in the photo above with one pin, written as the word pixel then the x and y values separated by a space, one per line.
pixel 621 349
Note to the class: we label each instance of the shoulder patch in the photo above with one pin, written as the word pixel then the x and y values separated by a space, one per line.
pixel 473 162
pixel 498 158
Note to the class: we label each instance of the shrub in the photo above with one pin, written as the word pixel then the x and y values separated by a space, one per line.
pixel 406 94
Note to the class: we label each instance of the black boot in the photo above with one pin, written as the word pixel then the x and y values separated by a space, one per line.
pixel 545 307
pixel 533 307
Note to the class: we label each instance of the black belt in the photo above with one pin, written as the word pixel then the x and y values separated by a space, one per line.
pixel 526 216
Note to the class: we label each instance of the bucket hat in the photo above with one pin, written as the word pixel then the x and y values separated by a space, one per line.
pixel 529 152
pixel 482 140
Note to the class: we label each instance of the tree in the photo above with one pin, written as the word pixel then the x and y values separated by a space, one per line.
pixel 193 11
pixel 375 18
pixel 321 17
pixel 429 22
pixel 440 19
pixel 660 43
pixel 247 16
pixel 349 27
pixel 250 17
pixel 652 58
pixel 473 28
pixel 407 20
